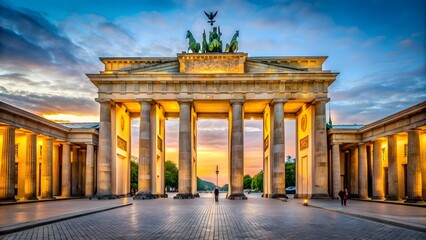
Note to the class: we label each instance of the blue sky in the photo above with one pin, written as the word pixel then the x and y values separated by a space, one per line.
pixel 378 46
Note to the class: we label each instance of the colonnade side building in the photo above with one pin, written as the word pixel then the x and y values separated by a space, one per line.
pixel 42 159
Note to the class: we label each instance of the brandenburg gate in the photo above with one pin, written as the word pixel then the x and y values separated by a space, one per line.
pixel 212 85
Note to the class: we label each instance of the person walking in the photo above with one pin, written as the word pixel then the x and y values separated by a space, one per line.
pixel 341 195
pixel 345 197
pixel 216 194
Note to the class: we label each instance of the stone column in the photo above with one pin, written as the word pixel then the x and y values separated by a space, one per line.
pixel 320 155
pixel 31 167
pixel 104 189
pixel 74 171
pixel 66 170
pixel 414 170
pixel 55 170
pixel 185 150
pixel 237 151
pixel 362 171
pixel 378 190
pixel 392 169
pixel 46 169
pixel 89 170
pixel 337 183
pixel 145 159
pixel 80 184
pixel 354 172
pixel 278 180
pixel 7 166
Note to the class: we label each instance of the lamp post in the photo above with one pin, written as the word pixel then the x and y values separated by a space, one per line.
pixel 217 175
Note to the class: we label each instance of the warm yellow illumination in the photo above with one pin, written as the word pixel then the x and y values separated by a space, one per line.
pixel 71 118
pixel 305 202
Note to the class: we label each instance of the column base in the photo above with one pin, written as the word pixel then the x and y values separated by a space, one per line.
pixel 377 197
pixel 364 198
pixel 392 198
pixel 302 195
pixel 237 196
pixel 162 195
pixel 197 195
pixel 320 196
pixel 32 198
pixel 8 199
pixel 413 200
pixel 279 195
pixel 144 195
pixel 105 196
pixel 184 196
pixel 46 198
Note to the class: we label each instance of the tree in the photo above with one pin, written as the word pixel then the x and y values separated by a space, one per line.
pixel 257 182
pixel 290 178
pixel 247 181
pixel 134 174
pixel 171 174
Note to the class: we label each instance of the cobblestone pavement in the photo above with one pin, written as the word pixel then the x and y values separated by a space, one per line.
pixel 202 218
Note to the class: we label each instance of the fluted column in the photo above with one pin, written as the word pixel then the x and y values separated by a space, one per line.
pixel 46 169
pixel 145 159
pixel 55 170
pixel 337 183
pixel 278 180
pixel 378 191
pixel 185 150
pixel 31 167
pixel 104 189
pixel 66 170
pixel 320 186
pixel 89 170
pixel 362 171
pixel 74 170
pixel 392 169
pixel 7 166
pixel 354 172
pixel 414 170
pixel 237 151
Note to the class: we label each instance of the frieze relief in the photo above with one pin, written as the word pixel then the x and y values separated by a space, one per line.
pixel 213 65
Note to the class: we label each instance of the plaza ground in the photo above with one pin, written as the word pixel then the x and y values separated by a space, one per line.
pixel 202 218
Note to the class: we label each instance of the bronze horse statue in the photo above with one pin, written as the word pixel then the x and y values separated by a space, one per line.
pixel 233 45
pixel 193 45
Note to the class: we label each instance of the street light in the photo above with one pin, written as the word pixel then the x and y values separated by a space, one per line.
pixel 217 175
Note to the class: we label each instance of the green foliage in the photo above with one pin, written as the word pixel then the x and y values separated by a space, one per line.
pixel 171 174
pixel 290 177
pixel 257 182
pixel 205 185
pixel 133 174
pixel 225 187
pixel 247 181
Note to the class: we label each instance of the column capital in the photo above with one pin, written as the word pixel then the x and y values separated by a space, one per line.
pixel 322 99
pixel 103 100
pixel 75 147
pixel 279 100
pixel 145 100
pixel 185 100
pixel 31 134
pixel 89 143
pixel 237 101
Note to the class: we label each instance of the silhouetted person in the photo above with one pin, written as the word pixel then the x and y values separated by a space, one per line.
pixel 345 197
pixel 216 194
pixel 341 195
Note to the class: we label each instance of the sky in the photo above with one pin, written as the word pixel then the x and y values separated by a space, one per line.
pixel 378 46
